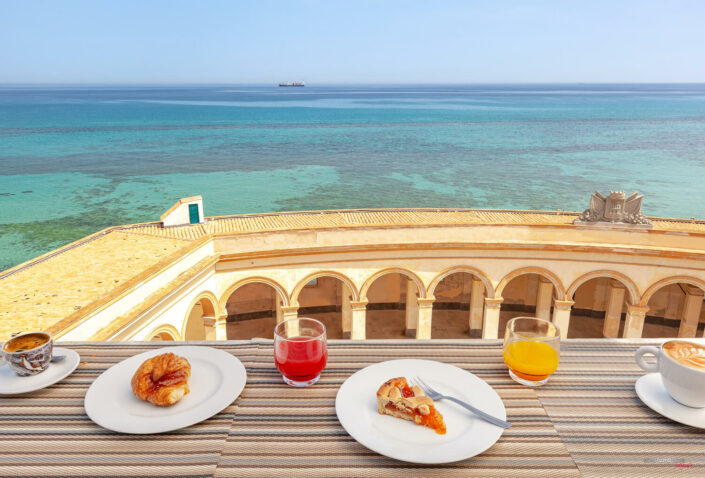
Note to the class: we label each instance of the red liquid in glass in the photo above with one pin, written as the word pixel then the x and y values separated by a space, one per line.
pixel 300 358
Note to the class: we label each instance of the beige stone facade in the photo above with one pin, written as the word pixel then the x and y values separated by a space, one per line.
pixel 144 281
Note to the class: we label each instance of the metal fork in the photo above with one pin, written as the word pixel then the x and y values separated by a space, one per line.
pixel 434 395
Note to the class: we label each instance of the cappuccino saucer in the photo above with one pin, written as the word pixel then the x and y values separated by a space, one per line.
pixel 13 384
pixel 651 391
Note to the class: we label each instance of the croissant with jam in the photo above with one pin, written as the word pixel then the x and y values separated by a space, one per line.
pixel 397 399
pixel 162 380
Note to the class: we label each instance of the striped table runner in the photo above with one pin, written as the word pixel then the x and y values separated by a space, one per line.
pixel 606 428
pixel 47 433
pixel 586 421
pixel 283 431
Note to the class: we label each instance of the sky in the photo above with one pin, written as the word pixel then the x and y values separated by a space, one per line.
pixel 351 41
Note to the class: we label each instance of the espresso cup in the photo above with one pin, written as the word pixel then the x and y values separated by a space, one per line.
pixel 28 354
pixel 683 378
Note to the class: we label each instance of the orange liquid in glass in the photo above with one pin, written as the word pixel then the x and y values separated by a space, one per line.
pixel 531 359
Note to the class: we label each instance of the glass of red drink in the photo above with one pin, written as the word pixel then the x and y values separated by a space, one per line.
pixel 300 350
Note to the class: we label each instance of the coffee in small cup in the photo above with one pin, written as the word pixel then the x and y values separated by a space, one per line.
pixel 25 342
pixel 686 353
pixel 28 354
pixel 681 365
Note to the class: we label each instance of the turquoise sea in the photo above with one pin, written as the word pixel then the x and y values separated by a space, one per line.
pixel 74 160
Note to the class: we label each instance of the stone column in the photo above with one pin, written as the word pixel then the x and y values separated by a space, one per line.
pixel 477 308
pixel 613 313
pixel 673 302
pixel 532 288
pixel 209 324
pixel 634 325
pixel 691 312
pixel 290 312
pixel 278 309
pixel 544 297
pixel 490 322
pixel 601 292
pixel 359 317
pixel 412 308
pixel 221 327
pixel 346 311
pixel 425 311
pixel 561 315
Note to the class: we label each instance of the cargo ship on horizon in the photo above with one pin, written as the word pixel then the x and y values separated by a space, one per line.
pixel 295 83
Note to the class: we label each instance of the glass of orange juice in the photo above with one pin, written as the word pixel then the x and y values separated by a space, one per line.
pixel 531 350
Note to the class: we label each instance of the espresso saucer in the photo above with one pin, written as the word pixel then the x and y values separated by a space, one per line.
pixel 13 384
pixel 651 391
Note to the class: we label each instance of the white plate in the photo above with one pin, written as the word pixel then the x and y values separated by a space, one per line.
pixel 651 391
pixel 466 436
pixel 13 384
pixel 217 378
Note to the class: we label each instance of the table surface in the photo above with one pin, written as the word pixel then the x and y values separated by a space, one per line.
pixel 586 421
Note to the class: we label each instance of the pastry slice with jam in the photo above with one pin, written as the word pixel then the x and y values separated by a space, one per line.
pixel 396 398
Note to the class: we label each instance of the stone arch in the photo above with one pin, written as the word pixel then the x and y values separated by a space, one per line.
pixel 468 269
pixel 618 276
pixel 165 329
pixel 340 276
pixel 668 281
pixel 560 290
pixel 393 270
pixel 249 280
pixel 210 304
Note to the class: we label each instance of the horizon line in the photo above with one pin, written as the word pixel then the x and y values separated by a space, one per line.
pixel 500 83
pixel 9 86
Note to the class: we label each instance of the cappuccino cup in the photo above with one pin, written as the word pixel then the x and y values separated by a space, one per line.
pixel 28 354
pixel 682 368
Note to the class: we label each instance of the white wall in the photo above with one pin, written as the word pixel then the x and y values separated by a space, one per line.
pixel 180 215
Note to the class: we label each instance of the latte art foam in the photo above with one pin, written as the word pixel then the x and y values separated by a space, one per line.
pixel 686 353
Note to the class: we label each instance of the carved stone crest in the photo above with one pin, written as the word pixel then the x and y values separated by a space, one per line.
pixel 615 209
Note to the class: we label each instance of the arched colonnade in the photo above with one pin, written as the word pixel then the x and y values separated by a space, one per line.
pixel 206 318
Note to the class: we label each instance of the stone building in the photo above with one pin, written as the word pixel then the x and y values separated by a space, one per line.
pixel 417 273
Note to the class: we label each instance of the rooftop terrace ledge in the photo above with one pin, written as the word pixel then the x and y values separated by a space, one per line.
pixel 127 279
pixel 277 221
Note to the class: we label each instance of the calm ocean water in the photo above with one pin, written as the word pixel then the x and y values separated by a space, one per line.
pixel 75 160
